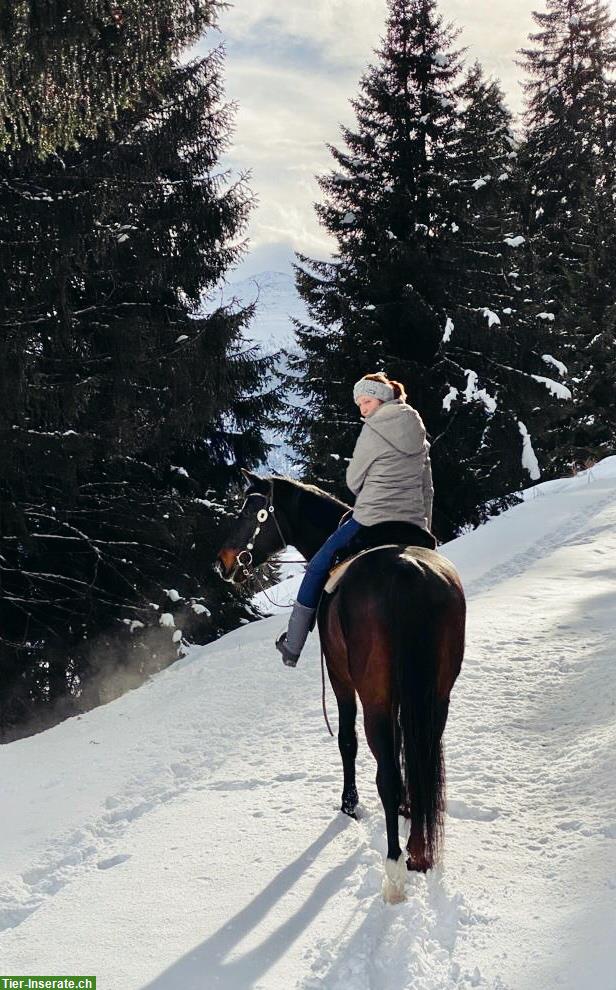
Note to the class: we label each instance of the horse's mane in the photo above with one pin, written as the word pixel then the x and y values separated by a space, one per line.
pixel 309 489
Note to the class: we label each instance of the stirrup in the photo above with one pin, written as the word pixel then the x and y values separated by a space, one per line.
pixel 289 659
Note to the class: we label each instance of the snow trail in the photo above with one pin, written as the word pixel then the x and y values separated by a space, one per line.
pixel 187 835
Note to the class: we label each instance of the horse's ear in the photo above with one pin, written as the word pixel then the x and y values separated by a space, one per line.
pixel 249 477
pixel 254 481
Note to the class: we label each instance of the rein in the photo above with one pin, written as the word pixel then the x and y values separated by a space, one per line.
pixel 263 515
pixel 323 696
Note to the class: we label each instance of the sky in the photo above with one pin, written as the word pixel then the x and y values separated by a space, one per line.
pixel 292 66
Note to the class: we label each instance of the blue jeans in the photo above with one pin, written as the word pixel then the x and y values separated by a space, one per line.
pixel 316 573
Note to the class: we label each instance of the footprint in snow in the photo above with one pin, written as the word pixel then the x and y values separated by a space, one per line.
pixel 236 785
pixel 180 770
pixel 569 826
pixel 107 864
pixel 468 812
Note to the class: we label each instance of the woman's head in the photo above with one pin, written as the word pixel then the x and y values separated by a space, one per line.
pixel 372 391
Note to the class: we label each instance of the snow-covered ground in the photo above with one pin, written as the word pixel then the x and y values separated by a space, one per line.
pixel 187 835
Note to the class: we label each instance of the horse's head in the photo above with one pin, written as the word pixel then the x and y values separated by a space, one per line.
pixel 254 535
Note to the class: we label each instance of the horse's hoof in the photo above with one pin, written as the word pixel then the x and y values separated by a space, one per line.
pixel 394 881
pixel 392 894
pixel 349 803
pixel 418 865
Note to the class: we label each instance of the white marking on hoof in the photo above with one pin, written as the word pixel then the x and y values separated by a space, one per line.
pixel 394 880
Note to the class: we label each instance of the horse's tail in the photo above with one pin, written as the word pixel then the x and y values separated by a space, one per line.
pixel 421 715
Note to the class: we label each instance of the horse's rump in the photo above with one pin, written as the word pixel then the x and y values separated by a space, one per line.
pixel 410 585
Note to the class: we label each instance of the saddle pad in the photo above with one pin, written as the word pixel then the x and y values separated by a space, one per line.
pixel 338 572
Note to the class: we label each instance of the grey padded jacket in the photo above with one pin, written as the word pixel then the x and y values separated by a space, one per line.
pixel 390 471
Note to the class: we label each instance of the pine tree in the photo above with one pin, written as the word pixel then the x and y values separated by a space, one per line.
pixel 67 69
pixel 125 410
pixel 389 206
pixel 495 343
pixel 423 281
pixel 569 156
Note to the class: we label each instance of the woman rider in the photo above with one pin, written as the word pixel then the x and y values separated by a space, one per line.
pixel 391 477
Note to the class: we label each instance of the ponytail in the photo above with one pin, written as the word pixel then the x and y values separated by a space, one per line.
pixel 380 376
pixel 399 390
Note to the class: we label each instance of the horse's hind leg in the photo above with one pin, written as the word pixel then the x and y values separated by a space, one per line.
pixel 347 744
pixel 381 739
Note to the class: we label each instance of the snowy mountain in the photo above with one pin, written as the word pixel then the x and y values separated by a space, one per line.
pixel 277 303
pixel 187 837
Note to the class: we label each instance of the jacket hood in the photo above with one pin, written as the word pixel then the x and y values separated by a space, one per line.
pixel 400 425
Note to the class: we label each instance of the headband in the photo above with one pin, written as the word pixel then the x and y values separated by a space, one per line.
pixel 372 390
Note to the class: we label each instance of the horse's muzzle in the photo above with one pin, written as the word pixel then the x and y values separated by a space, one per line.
pixel 228 567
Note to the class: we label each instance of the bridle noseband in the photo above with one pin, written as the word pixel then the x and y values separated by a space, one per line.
pixel 244 557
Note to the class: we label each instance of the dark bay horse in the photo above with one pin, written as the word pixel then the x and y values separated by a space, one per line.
pixel 392 633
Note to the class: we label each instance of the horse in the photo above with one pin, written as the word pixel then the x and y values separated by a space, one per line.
pixel 392 633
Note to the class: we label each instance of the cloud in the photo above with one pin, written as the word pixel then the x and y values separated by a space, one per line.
pixel 342 30
pixel 292 68
pixel 284 117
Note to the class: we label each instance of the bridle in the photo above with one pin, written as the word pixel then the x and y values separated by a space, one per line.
pixel 263 515
pixel 244 557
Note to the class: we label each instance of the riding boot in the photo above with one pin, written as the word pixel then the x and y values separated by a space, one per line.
pixel 291 642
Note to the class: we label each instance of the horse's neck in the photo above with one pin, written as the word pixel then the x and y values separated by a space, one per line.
pixel 302 531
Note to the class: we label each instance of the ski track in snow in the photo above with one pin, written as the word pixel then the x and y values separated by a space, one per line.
pixel 209 814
